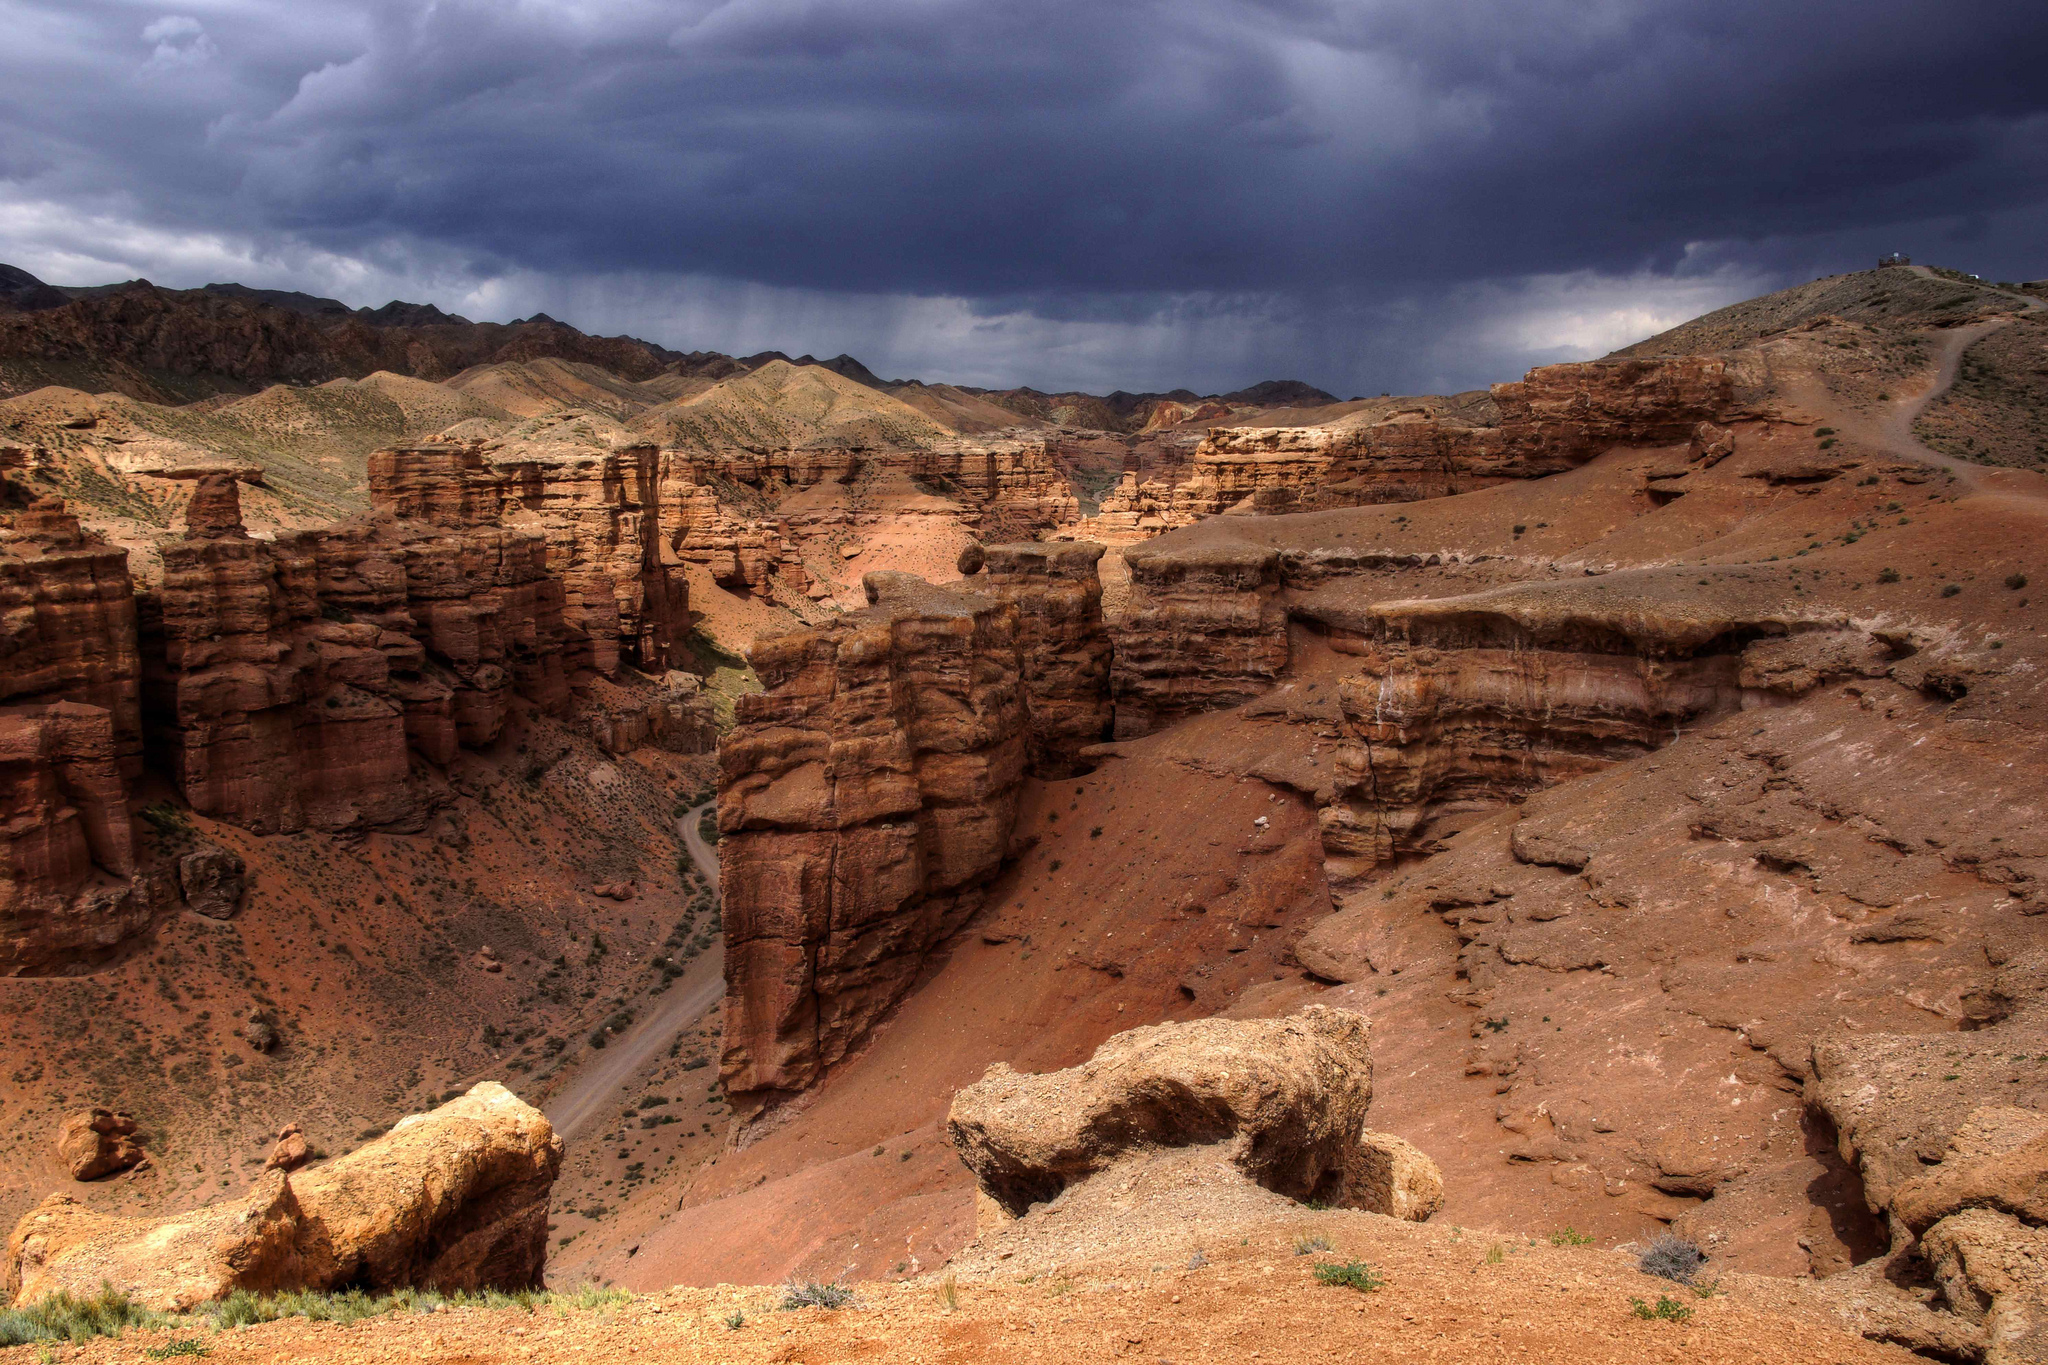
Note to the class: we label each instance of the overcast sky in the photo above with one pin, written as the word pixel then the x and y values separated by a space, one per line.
pixel 1388 195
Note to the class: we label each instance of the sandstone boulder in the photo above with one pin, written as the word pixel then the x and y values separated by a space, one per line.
pixel 96 1142
pixel 452 1199
pixel 291 1151
pixel 163 1264
pixel 213 882
pixel 971 559
pixel 455 1199
pixel 1391 1175
pixel 1285 1100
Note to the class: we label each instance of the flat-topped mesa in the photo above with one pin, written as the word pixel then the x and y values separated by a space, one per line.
pixel 866 794
pixel 1556 418
pixel 1014 484
pixel 1058 595
pixel 1463 703
pixel 70 739
pixel 595 508
pixel 1205 628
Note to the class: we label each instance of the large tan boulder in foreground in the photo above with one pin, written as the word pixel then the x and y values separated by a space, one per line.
pixel 1283 1099
pixel 452 1199
pixel 166 1264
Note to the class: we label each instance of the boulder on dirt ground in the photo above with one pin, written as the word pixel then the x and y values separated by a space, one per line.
pixel 213 882
pixel 455 1199
pixel 971 560
pixel 1391 1175
pixel 165 1265
pixel 1284 1098
pixel 259 1033
pixel 96 1142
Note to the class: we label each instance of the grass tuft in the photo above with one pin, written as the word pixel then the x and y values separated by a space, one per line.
pixel 815 1294
pixel 1349 1275
pixel 64 1316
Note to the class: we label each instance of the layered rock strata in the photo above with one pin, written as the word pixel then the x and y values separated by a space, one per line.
pixel 597 510
pixel 1557 417
pixel 262 710
pixel 70 737
pixel 1206 627
pixel 455 1199
pixel 722 506
pixel 866 794
pixel 1462 703
pixel 1066 650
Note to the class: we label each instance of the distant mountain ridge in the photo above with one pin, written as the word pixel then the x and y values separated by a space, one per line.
pixel 180 345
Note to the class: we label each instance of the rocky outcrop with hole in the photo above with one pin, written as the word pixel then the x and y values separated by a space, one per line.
pixel 454 1199
pixel 865 795
pixel 1283 1101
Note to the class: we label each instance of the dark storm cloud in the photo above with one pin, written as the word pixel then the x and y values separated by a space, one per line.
pixel 1342 165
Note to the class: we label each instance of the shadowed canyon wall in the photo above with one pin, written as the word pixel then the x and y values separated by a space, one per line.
pixel 870 791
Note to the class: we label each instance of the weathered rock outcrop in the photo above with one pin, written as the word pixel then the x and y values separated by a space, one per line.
pixel 286 678
pixel 1283 1100
pixel 865 795
pixel 1557 417
pixel 70 736
pixel 264 711
pixel 1058 596
pixel 455 1199
pixel 1462 703
pixel 1205 628
pixel 742 512
pixel 596 506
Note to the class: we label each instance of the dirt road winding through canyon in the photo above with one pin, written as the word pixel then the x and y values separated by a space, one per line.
pixel 595 1091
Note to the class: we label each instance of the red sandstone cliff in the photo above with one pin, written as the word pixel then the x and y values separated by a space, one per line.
pixel 865 794
pixel 70 739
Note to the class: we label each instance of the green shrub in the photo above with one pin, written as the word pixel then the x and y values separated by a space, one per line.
pixel 180 1346
pixel 1887 575
pixel 1570 1237
pixel 1667 1309
pixel 1348 1274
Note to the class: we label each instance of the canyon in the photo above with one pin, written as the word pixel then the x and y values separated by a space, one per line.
pixel 1646 751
